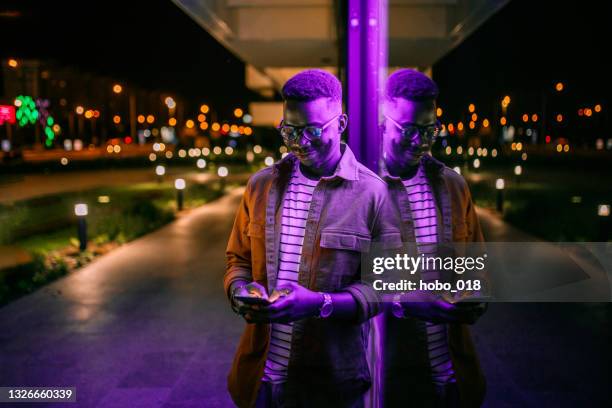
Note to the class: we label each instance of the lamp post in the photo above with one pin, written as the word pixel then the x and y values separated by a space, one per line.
pixel 476 164
pixel 499 186
pixel 518 171
pixel 160 171
pixel 179 184
pixel 603 213
pixel 80 210
pixel 222 172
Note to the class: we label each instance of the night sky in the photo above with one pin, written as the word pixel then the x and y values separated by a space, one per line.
pixel 527 47
pixel 152 43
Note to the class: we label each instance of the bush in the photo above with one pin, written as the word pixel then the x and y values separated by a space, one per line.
pixel 25 278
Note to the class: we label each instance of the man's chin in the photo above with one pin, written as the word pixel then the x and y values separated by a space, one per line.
pixel 413 159
pixel 305 159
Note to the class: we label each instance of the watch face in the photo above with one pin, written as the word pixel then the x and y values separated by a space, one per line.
pixel 326 309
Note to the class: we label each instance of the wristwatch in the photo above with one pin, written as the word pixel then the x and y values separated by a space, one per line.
pixel 327 307
pixel 397 309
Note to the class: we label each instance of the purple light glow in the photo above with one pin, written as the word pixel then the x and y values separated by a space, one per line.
pixel 367 71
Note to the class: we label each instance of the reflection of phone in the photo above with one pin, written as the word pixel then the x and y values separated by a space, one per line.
pixel 252 300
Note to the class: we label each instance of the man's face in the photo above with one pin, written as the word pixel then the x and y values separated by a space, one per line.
pixel 397 149
pixel 315 151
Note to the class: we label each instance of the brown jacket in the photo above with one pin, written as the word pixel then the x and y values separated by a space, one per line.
pixel 349 210
pixel 405 346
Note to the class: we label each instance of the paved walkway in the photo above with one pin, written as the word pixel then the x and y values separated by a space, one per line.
pixel 145 326
pixel 148 326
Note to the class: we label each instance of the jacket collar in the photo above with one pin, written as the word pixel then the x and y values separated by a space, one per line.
pixel 346 169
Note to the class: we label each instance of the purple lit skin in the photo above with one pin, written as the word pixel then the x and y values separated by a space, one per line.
pixel 402 155
pixel 318 157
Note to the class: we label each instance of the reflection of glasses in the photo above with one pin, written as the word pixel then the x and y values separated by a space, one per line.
pixel 291 134
pixel 410 131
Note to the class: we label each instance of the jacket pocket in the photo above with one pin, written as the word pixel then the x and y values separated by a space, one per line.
pixel 338 261
pixel 345 240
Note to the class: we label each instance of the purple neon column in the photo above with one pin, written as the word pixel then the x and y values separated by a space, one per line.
pixel 366 72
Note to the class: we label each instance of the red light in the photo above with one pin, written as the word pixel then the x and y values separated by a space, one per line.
pixel 128 139
pixel 7 114
pixel 547 139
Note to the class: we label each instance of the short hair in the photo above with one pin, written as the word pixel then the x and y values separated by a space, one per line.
pixel 312 84
pixel 412 85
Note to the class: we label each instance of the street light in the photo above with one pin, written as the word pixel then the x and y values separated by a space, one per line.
pixel 80 210
pixel 179 184
pixel 160 171
pixel 518 171
pixel 603 211
pixel 499 186
pixel 222 172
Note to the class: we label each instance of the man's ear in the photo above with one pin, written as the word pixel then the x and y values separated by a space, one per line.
pixel 342 123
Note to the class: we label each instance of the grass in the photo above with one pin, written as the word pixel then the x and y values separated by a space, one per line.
pixel 548 209
pixel 46 226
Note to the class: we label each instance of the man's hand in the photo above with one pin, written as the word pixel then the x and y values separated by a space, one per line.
pixel 298 303
pixel 429 307
pixel 252 289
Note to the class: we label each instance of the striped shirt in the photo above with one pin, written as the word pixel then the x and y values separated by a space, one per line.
pixel 296 204
pixel 425 216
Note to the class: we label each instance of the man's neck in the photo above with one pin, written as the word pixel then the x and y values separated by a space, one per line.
pixel 403 171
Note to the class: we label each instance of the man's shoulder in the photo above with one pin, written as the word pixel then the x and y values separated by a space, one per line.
pixel 452 177
pixel 260 179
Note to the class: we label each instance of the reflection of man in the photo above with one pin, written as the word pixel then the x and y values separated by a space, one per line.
pixel 430 360
pixel 297 238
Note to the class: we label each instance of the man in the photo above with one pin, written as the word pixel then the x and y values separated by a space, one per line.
pixel 297 239
pixel 430 360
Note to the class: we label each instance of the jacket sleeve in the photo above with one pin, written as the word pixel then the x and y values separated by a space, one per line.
pixel 385 235
pixel 238 251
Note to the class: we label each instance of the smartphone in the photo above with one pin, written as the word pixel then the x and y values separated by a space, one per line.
pixel 252 300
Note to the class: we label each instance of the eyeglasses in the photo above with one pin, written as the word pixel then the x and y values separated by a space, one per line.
pixel 292 134
pixel 426 133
